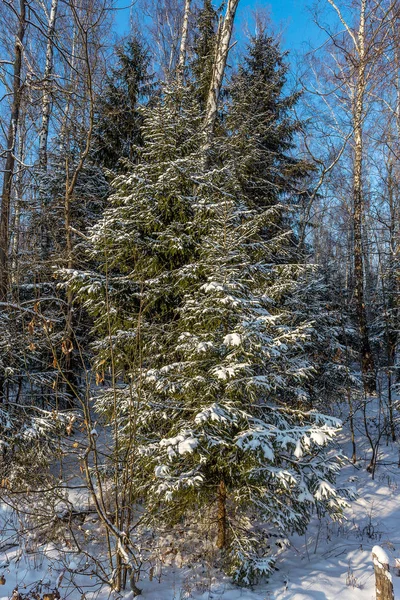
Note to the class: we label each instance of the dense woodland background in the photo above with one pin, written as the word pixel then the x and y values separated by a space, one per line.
pixel 199 271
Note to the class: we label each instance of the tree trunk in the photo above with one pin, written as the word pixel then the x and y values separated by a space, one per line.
pixel 392 294
pixel 219 68
pixel 10 154
pixel 367 361
pixel 44 130
pixel 221 517
pixel 383 578
pixel 18 193
pixel 183 46
pixel 70 184
pixel 47 89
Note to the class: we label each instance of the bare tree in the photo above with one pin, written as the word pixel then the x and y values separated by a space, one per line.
pixel 359 40
pixel 167 25
pixel 11 139
pixel 348 76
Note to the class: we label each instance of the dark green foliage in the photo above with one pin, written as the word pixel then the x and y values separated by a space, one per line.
pixel 198 316
pixel 117 130
pixel 263 125
pixel 211 364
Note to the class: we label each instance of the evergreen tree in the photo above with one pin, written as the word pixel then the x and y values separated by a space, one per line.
pixel 261 120
pixel 117 129
pixel 262 133
pixel 210 362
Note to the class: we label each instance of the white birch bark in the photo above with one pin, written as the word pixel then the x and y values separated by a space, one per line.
pixel 367 363
pixel 358 81
pixel 44 130
pixel 46 101
pixel 219 68
pixel 183 45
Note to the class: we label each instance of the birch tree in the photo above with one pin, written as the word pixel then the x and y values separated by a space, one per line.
pixel 48 91
pixel 359 40
pixel 346 84
pixel 219 65
pixel 47 86
pixel 11 140
pixel 184 40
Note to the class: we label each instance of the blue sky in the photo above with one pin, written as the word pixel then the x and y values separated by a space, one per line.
pixel 292 17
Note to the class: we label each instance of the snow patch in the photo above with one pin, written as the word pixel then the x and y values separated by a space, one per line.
pixel 232 339
pixel 212 286
pixel 214 412
pixel 188 445
pixel 380 556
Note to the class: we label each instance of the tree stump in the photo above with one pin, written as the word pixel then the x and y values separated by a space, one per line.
pixel 383 578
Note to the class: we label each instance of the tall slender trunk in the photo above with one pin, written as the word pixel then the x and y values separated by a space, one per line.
pixel 395 209
pixel 19 188
pixel 10 153
pixel 219 69
pixel 183 45
pixel 367 361
pixel 392 293
pixel 221 516
pixel 47 87
pixel 44 130
pixel 70 184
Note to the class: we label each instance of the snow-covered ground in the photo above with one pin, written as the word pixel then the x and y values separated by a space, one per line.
pixel 333 560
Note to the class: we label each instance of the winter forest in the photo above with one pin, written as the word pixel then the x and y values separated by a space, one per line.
pixel 199 301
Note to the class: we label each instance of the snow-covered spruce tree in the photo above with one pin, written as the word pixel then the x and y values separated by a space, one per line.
pixel 237 433
pixel 117 130
pixel 262 121
pixel 263 129
pixel 208 363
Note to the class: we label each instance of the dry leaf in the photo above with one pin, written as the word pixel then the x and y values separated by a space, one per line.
pixel 31 326
pixel 69 426
pixel 67 346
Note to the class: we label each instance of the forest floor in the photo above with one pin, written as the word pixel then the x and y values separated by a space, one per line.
pixel 333 560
